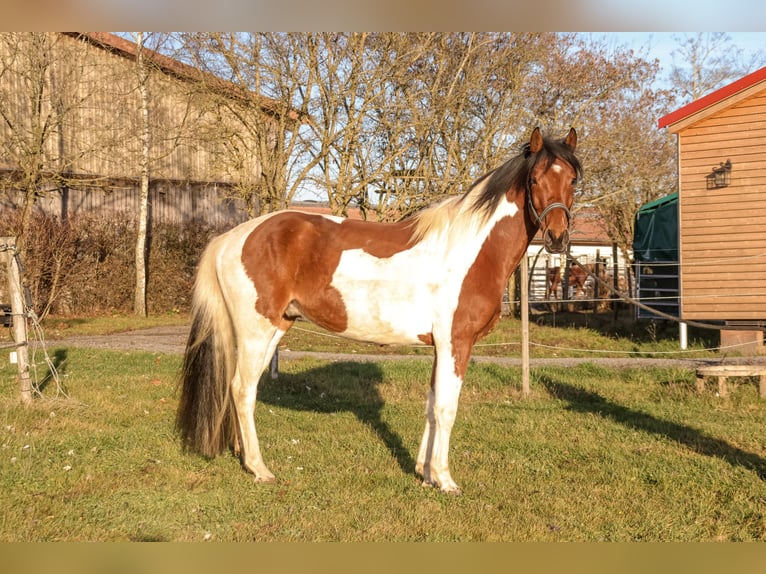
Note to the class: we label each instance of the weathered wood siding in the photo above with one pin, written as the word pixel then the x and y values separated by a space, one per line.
pixel 91 106
pixel 723 230
pixel 169 203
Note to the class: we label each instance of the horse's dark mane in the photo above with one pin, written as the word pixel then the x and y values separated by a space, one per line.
pixel 514 173
pixel 484 196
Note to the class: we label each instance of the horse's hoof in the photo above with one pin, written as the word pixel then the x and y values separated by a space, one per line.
pixel 266 479
pixel 453 490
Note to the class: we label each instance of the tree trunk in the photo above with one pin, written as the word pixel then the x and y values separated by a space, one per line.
pixel 139 306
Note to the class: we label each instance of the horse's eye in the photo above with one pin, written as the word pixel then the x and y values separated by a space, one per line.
pixel 574 181
pixel 533 181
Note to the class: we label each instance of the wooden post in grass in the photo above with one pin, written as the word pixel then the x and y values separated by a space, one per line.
pixel 274 366
pixel 594 281
pixel 18 311
pixel 615 284
pixel 524 325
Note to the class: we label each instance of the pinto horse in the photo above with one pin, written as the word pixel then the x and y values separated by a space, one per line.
pixel 436 278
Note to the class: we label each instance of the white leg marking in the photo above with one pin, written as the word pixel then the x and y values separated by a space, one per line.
pixel 252 358
pixel 441 408
pixel 445 410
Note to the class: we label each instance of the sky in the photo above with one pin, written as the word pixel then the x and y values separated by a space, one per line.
pixel 661 45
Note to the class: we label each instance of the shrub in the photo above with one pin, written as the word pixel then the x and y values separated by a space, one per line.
pixel 86 264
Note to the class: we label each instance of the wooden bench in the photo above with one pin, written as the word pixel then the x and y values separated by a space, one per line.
pixel 723 372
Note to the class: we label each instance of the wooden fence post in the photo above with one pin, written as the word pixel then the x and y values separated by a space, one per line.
pixel 19 313
pixel 565 271
pixel 274 365
pixel 524 325
pixel 615 284
pixel 596 284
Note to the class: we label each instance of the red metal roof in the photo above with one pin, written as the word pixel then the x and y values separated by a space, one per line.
pixel 713 98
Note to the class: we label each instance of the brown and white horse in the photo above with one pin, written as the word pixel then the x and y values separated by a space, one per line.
pixel 436 278
pixel 577 278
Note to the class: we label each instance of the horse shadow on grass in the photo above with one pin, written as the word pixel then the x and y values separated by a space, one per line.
pixel 344 386
pixel 583 401
pixel 55 371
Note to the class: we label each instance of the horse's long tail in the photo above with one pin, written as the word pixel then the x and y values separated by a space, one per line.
pixel 205 417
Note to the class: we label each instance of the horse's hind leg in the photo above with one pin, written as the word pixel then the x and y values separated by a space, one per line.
pixel 253 356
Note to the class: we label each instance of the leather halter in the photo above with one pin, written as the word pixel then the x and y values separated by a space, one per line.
pixel 538 218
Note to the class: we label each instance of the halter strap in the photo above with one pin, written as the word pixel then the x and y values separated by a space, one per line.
pixel 539 217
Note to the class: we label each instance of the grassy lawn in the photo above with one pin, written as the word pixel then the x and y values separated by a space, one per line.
pixel 593 454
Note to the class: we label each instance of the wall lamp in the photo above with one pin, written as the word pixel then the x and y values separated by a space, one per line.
pixel 720 176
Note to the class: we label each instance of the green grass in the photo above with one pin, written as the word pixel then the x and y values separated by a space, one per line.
pixel 593 454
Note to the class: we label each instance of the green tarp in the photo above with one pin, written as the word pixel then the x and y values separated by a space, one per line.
pixel 655 235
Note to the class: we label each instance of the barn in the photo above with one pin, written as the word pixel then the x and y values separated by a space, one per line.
pixel 84 93
pixel 721 140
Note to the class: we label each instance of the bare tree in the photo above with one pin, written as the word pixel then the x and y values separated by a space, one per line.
pixel 398 120
pixel 631 163
pixel 709 60
pixel 350 85
pixel 162 130
pixel 610 93
pixel 393 121
pixel 454 107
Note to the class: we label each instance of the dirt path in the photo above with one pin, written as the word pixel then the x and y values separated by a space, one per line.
pixel 173 340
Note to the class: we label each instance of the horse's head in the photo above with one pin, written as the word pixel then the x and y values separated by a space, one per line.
pixel 550 187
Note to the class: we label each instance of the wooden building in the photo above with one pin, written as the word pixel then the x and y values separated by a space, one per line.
pixel 70 101
pixel 722 203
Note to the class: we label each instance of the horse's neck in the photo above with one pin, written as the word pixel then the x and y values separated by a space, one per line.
pixel 528 229
pixel 511 237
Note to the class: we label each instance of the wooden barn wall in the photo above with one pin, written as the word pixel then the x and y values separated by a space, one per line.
pixel 93 103
pixel 172 203
pixel 723 231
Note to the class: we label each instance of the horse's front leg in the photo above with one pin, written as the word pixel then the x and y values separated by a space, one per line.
pixel 441 408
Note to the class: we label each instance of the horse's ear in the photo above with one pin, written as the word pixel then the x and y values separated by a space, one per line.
pixel 536 141
pixel 571 139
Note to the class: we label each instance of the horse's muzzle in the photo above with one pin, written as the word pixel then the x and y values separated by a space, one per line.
pixel 555 243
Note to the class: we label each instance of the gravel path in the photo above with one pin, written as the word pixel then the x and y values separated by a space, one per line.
pixel 173 340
